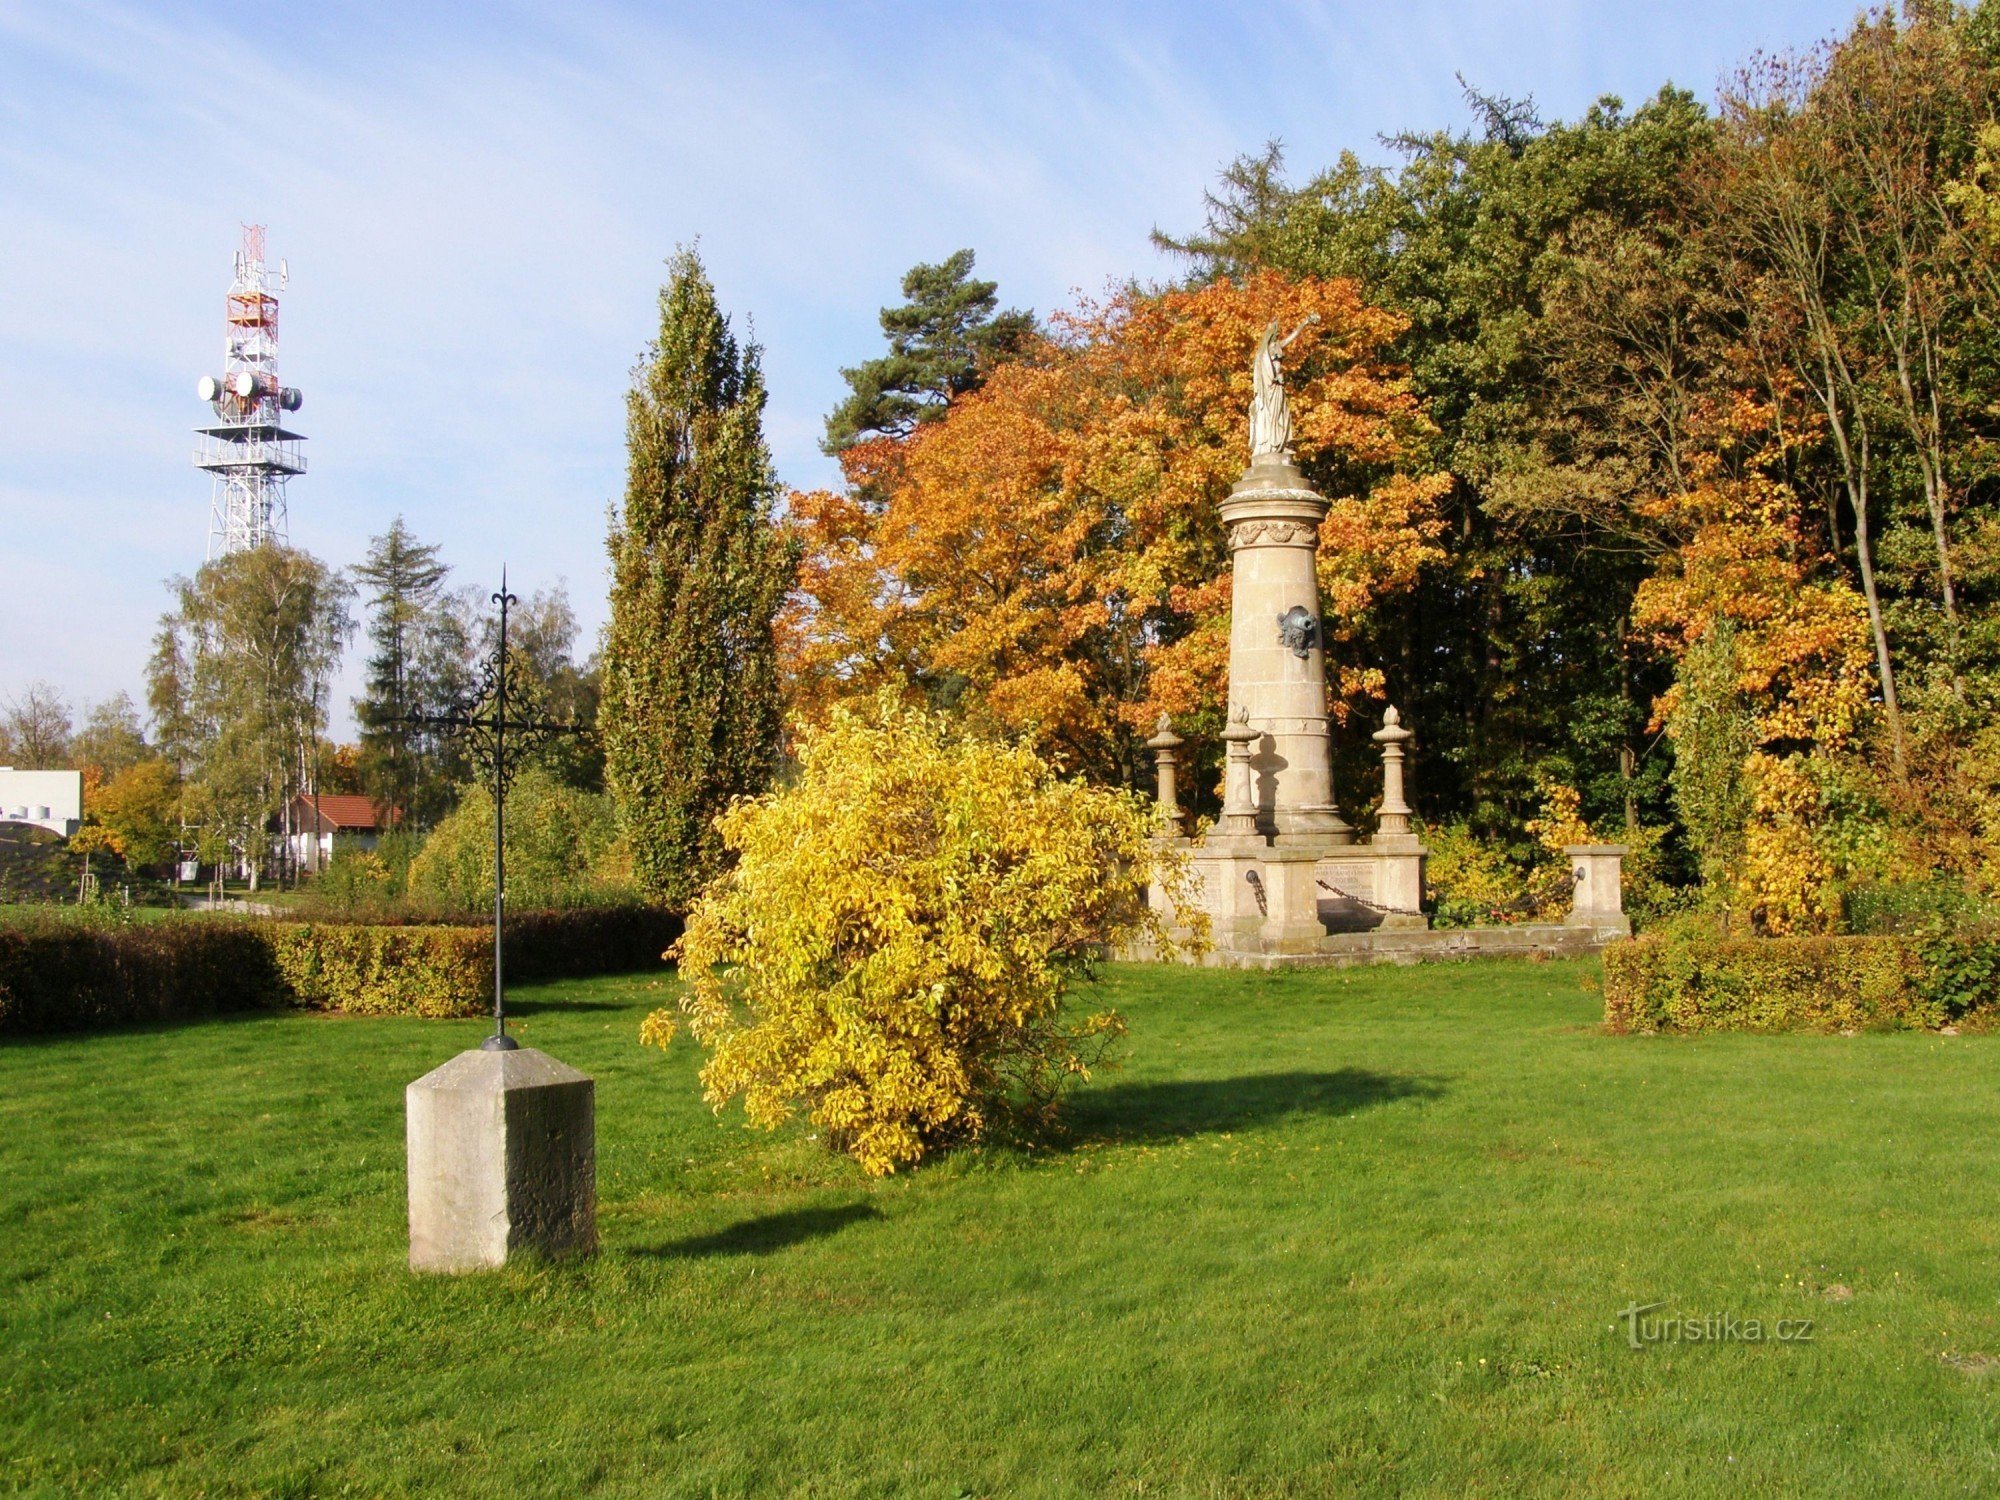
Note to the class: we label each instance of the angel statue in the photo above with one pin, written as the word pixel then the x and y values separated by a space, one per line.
pixel 1270 418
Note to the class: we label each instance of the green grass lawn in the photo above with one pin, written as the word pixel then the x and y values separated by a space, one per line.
pixel 1325 1233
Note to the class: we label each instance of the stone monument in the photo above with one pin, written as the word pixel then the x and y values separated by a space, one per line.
pixel 1282 876
pixel 502 1158
pixel 1281 849
pixel 502 1140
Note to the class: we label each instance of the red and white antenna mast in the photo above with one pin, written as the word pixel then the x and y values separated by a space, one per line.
pixel 247 448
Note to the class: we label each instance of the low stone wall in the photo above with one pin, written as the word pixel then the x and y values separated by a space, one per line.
pixel 1424 945
pixel 1419 945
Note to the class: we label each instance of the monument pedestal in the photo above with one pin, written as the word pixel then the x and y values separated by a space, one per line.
pixel 1597 871
pixel 1291 902
pixel 502 1158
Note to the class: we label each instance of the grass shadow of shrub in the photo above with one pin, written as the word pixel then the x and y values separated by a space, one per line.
pixel 766 1233
pixel 1151 1113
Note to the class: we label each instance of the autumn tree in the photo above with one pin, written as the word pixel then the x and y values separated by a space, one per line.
pixel 690 705
pixel 891 952
pixel 140 811
pixel 1555 325
pixel 1048 559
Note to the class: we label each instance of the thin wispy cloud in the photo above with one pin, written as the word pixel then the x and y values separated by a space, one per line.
pixel 476 204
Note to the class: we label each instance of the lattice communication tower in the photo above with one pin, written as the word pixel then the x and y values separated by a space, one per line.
pixel 247 448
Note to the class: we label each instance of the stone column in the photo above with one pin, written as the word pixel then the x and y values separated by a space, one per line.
pixel 1598 872
pixel 1163 744
pixel 1240 818
pixel 1277 650
pixel 1399 857
pixel 1392 737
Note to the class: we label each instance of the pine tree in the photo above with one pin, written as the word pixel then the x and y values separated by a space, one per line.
pixel 690 708
pixel 404 578
pixel 941 342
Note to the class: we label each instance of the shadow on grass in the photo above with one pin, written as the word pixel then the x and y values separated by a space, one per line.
pixel 766 1233
pixel 1155 1112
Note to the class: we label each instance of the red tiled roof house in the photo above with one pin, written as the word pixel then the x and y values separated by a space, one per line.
pixel 318 819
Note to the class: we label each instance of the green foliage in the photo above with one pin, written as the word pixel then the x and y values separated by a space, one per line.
pixel 562 848
pixel 36 865
pixel 690 708
pixel 64 974
pixel 1915 908
pixel 417 659
pixel 574 942
pixel 891 952
pixel 942 339
pixel 356 878
pixel 1474 881
pixel 112 740
pixel 383 971
pixel 1713 732
pixel 1686 978
pixel 239 687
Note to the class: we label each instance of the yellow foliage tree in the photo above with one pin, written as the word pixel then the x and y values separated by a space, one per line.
pixel 891 950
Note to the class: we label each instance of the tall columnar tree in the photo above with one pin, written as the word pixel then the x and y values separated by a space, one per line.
pixel 690 707
pixel 405 581
pixel 942 340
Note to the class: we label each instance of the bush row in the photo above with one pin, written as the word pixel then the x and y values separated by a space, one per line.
pixel 69 976
pixel 578 941
pixel 1682 981
pixel 568 942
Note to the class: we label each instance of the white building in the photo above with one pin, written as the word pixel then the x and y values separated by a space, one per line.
pixel 48 799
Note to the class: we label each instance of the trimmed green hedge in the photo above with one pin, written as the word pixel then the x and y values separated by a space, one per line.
pixel 576 942
pixel 385 971
pixel 1684 981
pixel 69 976
pixel 565 942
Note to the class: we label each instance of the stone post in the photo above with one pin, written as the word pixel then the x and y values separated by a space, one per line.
pixel 1598 872
pixel 1399 858
pixel 1239 779
pixel 1163 744
pixel 1291 902
pixel 502 1158
pixel 1392 736
pixel 1277 647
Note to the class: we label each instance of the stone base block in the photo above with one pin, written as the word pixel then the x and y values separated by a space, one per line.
pixel 502 1158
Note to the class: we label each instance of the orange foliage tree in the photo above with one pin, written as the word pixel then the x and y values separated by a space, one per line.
pixel 1049 558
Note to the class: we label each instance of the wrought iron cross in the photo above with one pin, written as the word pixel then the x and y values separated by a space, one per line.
pixel 498 721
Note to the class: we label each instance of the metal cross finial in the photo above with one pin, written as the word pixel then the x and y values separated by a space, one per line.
pixel 484 719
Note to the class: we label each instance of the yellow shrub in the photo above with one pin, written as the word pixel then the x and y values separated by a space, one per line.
pixel 891 950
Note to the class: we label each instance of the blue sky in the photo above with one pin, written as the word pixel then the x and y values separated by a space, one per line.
pixel 476 201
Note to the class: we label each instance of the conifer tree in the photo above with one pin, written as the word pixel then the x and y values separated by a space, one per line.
pixel 404 578
pixel 942 340
pixel 690 709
